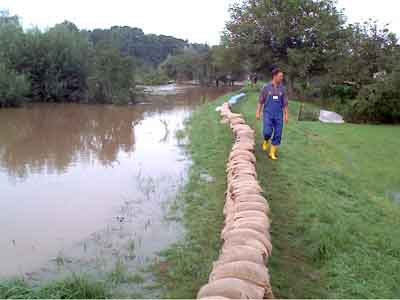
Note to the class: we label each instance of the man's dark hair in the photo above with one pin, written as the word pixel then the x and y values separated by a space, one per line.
pixel 275 72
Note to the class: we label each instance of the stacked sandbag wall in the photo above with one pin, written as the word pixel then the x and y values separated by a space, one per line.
pixel 241 272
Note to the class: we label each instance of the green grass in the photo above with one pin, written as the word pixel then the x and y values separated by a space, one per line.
pixel 335 232
pixel 75 287
pixel 187 265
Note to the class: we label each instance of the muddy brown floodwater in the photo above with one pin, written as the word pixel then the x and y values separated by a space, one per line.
pixel 86 187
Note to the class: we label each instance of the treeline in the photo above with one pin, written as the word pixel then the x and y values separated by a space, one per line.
pixel 207 65
pixel 65 64
pixel 356 65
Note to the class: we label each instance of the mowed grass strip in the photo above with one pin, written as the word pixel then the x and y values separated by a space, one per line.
pixel 336 231
pixel 335 227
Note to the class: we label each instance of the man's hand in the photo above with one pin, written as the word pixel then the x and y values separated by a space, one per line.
pixel 258 115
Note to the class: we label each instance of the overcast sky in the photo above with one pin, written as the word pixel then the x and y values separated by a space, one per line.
pixel 196 20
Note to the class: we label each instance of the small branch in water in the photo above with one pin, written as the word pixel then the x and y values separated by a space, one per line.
pixel 166 131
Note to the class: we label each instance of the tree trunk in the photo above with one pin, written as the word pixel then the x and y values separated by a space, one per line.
pixel 290 85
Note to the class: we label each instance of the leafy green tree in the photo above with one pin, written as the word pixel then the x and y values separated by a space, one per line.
pixel 379 102
pixel 362 51
pixel 11 39
pixel 294 34
pixel 14 87
pixel 66 63
pixel 111 77
pixel 227 62
pixel 147 49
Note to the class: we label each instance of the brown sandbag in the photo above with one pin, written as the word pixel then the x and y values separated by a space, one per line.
pixel 236 176
pixel 245 270
pixel 241 241
pixel 251 198
pixel 244 206
pixel 241 183
pixel 240 253
pixel 247 224
pixel 244 192
pixel 229 206
pixel 232 288
pixel 259 225
pixel 243 187
pixel 239 174
pixel 241 163
pixel 214 298
pixel 249 214
pixel 243 158
pixel 237 121
pixel 236 169
pixel 244 146
pixel 237 207
pixel 242 152
pixel 249 234
pixel 241 127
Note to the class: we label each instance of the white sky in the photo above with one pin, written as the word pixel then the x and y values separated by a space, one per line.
pixel 196 20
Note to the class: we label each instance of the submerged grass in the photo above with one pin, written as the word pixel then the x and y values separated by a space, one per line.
pixel 75 287
pixel 335 231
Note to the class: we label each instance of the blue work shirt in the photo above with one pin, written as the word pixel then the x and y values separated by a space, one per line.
pixel 274 99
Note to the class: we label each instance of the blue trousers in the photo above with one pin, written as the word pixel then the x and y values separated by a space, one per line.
pixel 273 125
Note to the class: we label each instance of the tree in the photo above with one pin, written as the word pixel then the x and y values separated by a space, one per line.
pixel 227 62
pixel 111 77
pixel 294 34
pixel 14 87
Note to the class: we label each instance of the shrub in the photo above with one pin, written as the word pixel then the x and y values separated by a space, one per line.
pixel 378 102
pixel 13 87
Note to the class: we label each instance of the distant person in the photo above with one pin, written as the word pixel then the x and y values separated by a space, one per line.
pixel 254 80
pixel 273 103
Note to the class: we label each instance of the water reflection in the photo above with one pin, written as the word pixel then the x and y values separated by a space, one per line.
pixel 49 138
pixel 70 173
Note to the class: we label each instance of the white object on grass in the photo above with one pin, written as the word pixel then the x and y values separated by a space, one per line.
pixel 326 116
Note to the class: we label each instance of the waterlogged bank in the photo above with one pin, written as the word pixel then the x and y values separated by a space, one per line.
pixel 86 189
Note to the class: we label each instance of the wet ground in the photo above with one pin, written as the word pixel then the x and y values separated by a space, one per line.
pixel 88 188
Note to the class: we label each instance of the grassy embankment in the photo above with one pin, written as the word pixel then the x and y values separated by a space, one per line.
pixel 335 229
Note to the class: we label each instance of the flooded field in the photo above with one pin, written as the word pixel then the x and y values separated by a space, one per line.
pixel 88 188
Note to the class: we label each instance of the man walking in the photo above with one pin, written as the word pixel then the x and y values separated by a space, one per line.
pixel 273 103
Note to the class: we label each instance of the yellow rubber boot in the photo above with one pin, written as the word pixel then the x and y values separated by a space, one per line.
pixel 265 145
pixel 272 152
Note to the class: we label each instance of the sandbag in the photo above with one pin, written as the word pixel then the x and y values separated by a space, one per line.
pixel 259 225
pixel 247 225
pixel 240 253
pixel 244 192
pixel 244 146
pixel 232 288
pixel 249 234
pixel 237 185
pixel 242 152
pixel 258 206
pixel 243 187
pixel 243 157
pixel 240 241
pixel 235 120
pixel 245 215
pixel 250 198
pixel 231 207
pixel 245 270
pixel 214 298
